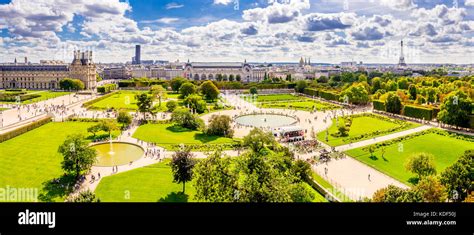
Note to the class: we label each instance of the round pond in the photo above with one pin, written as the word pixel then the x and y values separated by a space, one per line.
pixel 117 153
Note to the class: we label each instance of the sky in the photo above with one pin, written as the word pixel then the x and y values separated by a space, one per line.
pixel 327 31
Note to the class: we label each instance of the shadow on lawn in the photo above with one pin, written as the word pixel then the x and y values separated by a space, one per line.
pixel 57 188
pixel 175 197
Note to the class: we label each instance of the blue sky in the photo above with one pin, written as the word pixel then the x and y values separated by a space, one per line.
pixel 435 31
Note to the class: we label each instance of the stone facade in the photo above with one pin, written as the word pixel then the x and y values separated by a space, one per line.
pixel 48 74
pixel 210 71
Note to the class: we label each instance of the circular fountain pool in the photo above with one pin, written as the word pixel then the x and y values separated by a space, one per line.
pixel 265 120
pixel 117 153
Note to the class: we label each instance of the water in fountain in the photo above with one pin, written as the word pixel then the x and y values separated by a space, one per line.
pixel 111 146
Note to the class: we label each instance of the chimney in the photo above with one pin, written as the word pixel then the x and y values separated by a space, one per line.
pixel 26 60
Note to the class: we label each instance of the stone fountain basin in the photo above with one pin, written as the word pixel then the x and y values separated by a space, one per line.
pixel 122 153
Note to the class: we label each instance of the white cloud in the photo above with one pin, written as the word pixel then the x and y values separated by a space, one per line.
pixel 165 20
pixel 173 5
pixel 469 3
pixel 223 2
pixel 399 4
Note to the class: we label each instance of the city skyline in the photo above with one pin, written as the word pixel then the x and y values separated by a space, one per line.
pixel 229 30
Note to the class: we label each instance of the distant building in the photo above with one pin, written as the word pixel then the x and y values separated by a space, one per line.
pixel 211 71
pixel 48 74
pixel 116 73
pixel 137 58
pixel 140 72
pixel 167 73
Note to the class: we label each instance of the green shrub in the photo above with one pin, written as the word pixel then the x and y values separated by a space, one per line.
pixel 311 92
pixel 24 129
pixel 379 105
pixel 418 112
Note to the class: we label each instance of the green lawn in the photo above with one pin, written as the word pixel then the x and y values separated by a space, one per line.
pixel 155 185
pixel 45 95
pixel 361 125
pixel 169 135
pixel 277 97
pixel 305 105
pixel 120 100
pixel 446 150
pixel 31 159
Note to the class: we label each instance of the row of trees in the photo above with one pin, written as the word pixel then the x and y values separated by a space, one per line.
pixel 266 173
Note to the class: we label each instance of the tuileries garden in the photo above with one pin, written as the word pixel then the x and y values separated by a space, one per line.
pixel 352 137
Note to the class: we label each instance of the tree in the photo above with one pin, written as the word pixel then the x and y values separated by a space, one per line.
pixel 71 84
pixel 124 118
pixel 356 94
pixel 253 90
pixel 403 83
pixel 430 190
pixel 86 196
pixel 300 86
pixel 209 90
pixel 176 83
pixel 421 164
pixel 459 177
pixel 196 103
pixel 144 103
pixel 220 125
pixel 455 109
pixel 182 165
pixel 376 84
pixel 393 104
pixel 301 169
pixel 219 77
pixel 257 139
pixel 231 77
pixel 362 78
pixel 187 89
pixel 108 125
pixel 94 129
pixel 78 156
pixel 186 119
pixel 171 105
pixel 390 193
pixel 412 91
pixel 157 91
pixel 238 78
pixel 215 181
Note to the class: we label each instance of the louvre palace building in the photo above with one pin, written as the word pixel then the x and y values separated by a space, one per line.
pixel 47 74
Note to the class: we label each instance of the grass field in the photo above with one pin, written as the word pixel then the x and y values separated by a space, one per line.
pixel 360 125
pixel 120 100
pixel 31 159
pixel 277 97
pixel 446 150
pixel 156 185
pixel 305 105
pixel 168 135
pixel 45 95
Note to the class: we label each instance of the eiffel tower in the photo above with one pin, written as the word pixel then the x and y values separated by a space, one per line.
pixel 401 61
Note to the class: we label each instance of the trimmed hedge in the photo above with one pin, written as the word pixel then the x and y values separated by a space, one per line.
pixel 329 95
pixel 24 129
pixel 418 112
pixel 311 92
pixel 107 88
pixel 11 97
pixel 378 105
